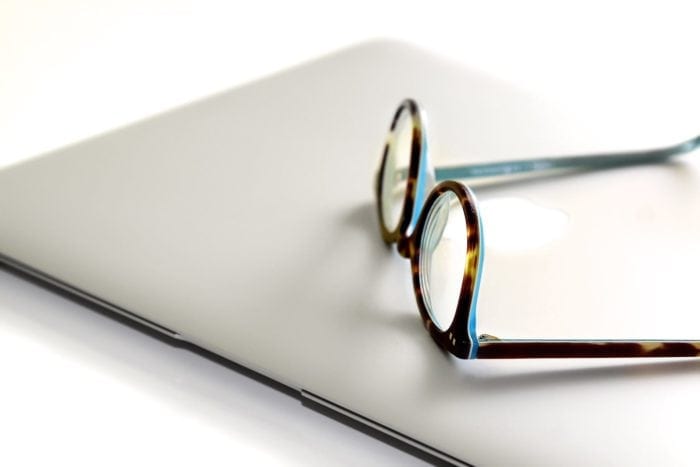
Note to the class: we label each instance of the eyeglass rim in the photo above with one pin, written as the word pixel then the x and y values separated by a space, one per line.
pixel 418 153
pixel 460 338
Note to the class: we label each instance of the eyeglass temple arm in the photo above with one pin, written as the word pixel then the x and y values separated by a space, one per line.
pixel 568 162
pixel 493 348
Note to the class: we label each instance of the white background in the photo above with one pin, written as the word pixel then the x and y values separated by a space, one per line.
pixel 77 388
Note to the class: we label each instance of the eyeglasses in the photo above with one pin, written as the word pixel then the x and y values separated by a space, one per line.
pixel 435 222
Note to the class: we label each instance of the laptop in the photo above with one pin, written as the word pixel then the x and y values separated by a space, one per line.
pixel 245 224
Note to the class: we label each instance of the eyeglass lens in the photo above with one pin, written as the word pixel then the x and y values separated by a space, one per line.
pixel 395 173
pixel 443 258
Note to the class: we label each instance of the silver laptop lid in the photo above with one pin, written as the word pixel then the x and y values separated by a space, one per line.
pixel 245 223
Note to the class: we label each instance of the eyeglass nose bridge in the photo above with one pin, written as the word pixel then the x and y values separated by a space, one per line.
pixel 405 246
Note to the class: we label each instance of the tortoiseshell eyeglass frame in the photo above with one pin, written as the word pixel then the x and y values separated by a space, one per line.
pixel 460 337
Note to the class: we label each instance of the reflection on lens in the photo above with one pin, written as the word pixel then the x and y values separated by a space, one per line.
pixel 395 174
pixel 443 258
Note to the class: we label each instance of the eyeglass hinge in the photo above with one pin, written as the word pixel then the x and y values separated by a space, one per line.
pixel 488 338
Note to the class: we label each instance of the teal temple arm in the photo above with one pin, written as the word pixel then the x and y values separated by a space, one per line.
pixel 566 162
